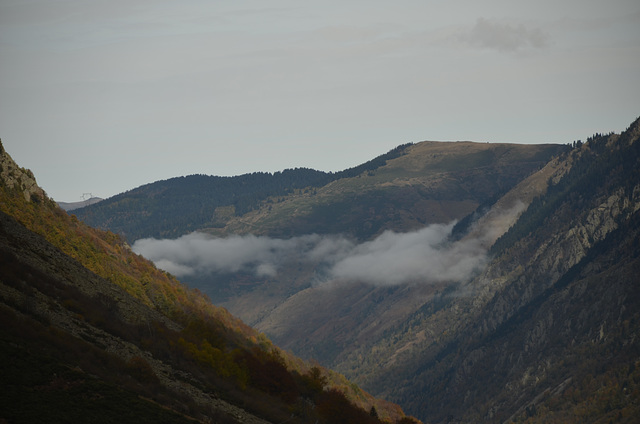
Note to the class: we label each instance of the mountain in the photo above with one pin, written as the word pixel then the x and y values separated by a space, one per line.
pixel 92 332
pixel 406 188
pixel 468 282
pixel 179 205
pixel 430 182
pixel 547 332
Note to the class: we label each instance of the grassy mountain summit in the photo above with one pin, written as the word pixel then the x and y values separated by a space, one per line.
pixel 431 182
pixel 93 332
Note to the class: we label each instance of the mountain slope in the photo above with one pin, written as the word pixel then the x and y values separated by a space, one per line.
pixel 93 332
pixel 432 182
pixel 410 186
pixel 333 322
pixel 179 205
pixel 549 331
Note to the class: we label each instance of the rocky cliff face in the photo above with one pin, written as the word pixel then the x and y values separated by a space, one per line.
pixel 17 178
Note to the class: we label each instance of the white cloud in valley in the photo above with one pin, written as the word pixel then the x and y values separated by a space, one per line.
pixel 424 256
pixel 421 256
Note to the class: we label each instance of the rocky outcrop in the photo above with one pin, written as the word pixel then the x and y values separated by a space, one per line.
pixel 17 178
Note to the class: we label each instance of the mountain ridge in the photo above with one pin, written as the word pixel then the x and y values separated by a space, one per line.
pixel 306 201
pixel 222 196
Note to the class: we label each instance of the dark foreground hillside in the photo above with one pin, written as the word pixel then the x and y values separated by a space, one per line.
pixel 91 332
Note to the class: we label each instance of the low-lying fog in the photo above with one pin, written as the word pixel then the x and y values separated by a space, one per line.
pixel 423 256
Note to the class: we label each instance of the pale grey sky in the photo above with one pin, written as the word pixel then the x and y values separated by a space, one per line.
pixel 104 96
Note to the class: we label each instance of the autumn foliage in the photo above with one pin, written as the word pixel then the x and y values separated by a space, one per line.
pixel 228 357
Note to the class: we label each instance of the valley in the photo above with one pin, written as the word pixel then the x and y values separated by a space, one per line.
pixel 467 282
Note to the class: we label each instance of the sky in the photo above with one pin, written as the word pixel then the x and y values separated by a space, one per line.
pixel 103 96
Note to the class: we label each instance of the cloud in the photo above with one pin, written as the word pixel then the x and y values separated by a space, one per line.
pixel 198 253
pixel 504 37
pixel 420 257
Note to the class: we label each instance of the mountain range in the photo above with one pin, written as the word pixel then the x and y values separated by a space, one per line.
pixel 466 282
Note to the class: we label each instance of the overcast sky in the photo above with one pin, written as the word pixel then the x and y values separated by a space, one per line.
pixel 104 96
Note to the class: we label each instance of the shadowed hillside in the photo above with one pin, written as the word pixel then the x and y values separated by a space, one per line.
pixel 92 332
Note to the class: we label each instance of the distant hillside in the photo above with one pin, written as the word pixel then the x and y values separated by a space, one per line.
pixel 92 332
pixel 432 182
pixel 180 205
pixel 408 187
